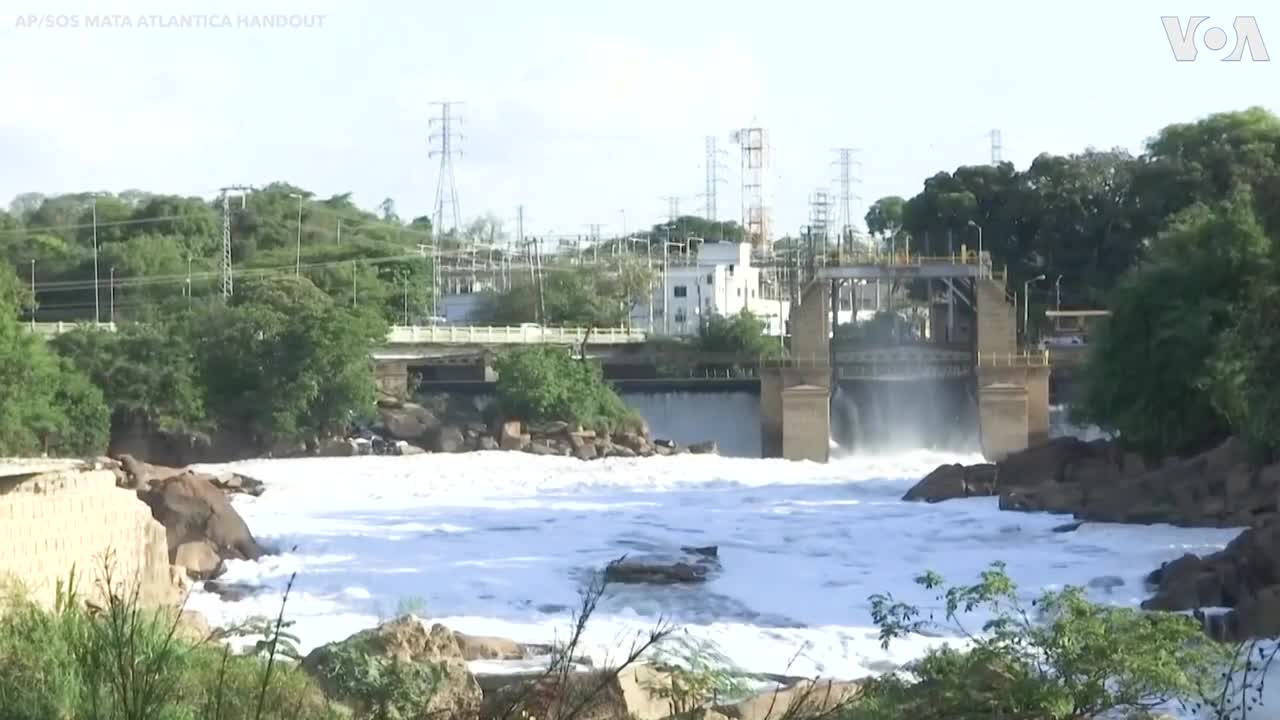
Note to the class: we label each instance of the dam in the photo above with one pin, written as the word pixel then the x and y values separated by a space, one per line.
pixel 950 378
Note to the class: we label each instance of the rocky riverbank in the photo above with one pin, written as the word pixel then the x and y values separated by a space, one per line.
pixel 452 427
pixel 1099 482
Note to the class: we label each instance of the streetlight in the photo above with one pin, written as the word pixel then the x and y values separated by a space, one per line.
pixel 1026 304
pixel 979 227
pixel 1057 290
pixel 297 267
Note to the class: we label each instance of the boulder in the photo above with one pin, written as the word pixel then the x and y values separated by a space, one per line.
pixel 446 439
pixel 336 447
pixel 232 592
pixel 193 510
pixel 633 693
pixel 634 441
pixel 540 447
pixel 487 443
pixel 478 647
pixel 410 421
pixel 710 447
pixel 555 427
pixel 586 451
pixel 404 448
pixel 807 698
pixel 954 481
pixel 199 558
pixel 407 639
pixel 141 474
pixel 691 565
pixel 511 436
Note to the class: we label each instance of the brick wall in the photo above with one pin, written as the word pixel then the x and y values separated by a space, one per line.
pixel 53 522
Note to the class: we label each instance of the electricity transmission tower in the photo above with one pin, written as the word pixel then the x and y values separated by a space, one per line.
pixel 713 180
pixel 997 147
pixel 846 181
pixel 442 145
pixel 243 191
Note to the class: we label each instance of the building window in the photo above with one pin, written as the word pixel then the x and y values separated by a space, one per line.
pixel 753 293
pixel 711 278
pixel 681 318
pixel 739 292
pixel 680 291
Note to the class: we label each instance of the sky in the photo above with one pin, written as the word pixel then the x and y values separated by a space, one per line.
pixel 592 112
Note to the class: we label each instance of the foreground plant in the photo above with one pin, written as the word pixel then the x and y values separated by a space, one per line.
pixel 1062 658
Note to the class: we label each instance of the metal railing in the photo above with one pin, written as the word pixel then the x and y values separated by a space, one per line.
pixel 510 335
pixel 51 329
pixel 1014 359
pixel 444 334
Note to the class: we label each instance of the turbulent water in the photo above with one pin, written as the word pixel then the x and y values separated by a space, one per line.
pixel 498 543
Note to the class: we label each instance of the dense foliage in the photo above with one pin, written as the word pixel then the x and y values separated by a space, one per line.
pixel 1187 356
pixel 280 362
pixel 547 384
pixel 1060 658
pixel 573 295
pixel 46 405
pixel 162 248
pixel 742 333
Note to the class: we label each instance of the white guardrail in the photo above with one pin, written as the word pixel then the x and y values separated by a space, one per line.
pixel 446 334
pixel 509 335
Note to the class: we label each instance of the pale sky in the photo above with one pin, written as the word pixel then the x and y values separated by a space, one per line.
pixel 579 110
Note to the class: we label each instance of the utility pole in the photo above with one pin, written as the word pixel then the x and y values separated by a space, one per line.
pixel 542 302
pixel 353 284
pixel 405 283
pixel 339 231
pixel 297 267
pixel 113 295
pixel 242 191
pixel 188 281
pixel 666 317
pixel 33 294
pixel 97 315
pixel 1057 291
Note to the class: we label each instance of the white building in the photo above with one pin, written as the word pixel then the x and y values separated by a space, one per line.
pixel 718 280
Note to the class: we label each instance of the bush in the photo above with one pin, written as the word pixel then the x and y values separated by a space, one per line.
pixel 544 383
pixel 1075 659
pixel 124 662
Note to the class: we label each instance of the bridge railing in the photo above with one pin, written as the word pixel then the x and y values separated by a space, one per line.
pixel 510 335
pixel 1014 359
pixel 51 329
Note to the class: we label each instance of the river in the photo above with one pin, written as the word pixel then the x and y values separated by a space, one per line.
pixel 498 544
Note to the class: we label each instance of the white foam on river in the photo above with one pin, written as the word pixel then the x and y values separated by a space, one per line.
pixel 499 543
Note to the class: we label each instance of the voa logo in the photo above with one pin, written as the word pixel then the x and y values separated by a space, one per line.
pixel 1183 39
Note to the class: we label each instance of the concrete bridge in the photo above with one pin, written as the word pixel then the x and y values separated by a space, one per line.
pixel 1012 387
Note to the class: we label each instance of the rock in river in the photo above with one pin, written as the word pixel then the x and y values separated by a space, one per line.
pixel 691 565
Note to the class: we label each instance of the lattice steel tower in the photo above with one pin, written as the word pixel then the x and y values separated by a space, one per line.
pixel 713 180
pixel 755 158
pixel 845 219
pixel 997 148
pixel 227 192
pixel 443 146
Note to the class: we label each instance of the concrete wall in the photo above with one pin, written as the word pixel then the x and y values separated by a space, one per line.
pixel 1002 411
pixel 773 381
pixel 55 522
pixel 997 321
pixel 811 323
pixel 806 423
pixel 1035 380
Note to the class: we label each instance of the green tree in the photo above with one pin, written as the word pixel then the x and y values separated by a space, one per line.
pixel 884 217
pixel 1151 372
pixel 45 404
pixel 742 333
pixel 283 361
pixel 146 372
pixel 584 296
pixel 546 383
